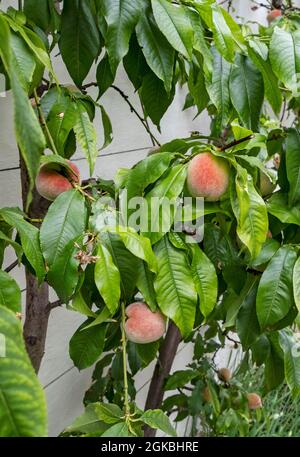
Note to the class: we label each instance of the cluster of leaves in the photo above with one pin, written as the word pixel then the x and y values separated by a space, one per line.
pixel 96 263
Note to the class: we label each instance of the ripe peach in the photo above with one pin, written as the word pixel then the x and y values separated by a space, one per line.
pixel 143 326
pixel 53 179
pixel 224 374
pixel 254 401
pixel 273 14
pixel 208 176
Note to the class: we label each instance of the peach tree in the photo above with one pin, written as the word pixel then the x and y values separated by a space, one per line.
pixel 231 272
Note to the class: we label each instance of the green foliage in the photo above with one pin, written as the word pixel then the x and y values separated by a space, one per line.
pixel 236 279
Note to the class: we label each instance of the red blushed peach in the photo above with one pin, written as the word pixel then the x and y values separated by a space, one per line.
pixel 143 326
pixel 208 176
pixel 53 179
pixel 254 401
pixel 274 14
pixel 224 374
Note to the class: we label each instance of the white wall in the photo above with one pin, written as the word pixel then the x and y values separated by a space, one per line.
pixel 63 384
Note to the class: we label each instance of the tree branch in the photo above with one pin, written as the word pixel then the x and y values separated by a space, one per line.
pixel 132 109
pixel 162 369
pixel 55 304
pixel 11 266
pixel 236 142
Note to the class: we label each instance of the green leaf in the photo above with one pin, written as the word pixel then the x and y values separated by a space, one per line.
pixel 173 21
pixel 285 57
pixel 121 17
pixel 296 283
pixel 197 88
pixel 147 352
pixel 86 345
pixel 222 34
pixel 247 324
pixel 107 279
pixel 61 120
pixel 251 213
pixel 293 165
pixel 7 240
pixel 164 193
pixel 246 91
pixel 104 75
pixel 10 293
pixel 278 206
pixel 145 284
pixel 138 245
pixel 200 43
pixel 205 279
pixel 180 379
pixel 109 413
pixel 88 422
pixel 219 88
pixel 79 304
pixel 271 86
pixel 219 247
pixel 64 222
pixel 117 430
pixel 154 97
pixel 275 291
pixel 107 128
pixel 22 401
pixel 79 39
pixel 86 136
pixel 103 316
pixel 146 172
pixel 29 239
pixel 156 49
pixel 29 134
pixel 38 12
pixel 63 274
pixel 274 366
pixel 156 418
pixel 125 261
pixel 291 361
pixel 174 286
pixel 135 63
pixel 23 60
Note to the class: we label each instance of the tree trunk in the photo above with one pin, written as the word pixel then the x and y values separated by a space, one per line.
pixel 37 297
pixel 162 370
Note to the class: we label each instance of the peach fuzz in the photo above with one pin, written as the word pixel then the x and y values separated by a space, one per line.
pixel 208 176
pixel 254 401
pixel 274 14
pixel 53 179
pixel 143 326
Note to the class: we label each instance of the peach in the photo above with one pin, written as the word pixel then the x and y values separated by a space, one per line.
pixel 208 176
pixel 273 14
pixel 206 394
pixel 224 374
pixel 53 179
pixel 254 401
pixel 143 326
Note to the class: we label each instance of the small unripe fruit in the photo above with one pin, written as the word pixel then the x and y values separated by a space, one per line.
pixel 254 401
pixel 206 394
pixel 274 14
pixel 208 176
pixel 224 374
pixel 269 234
pixel 143 326
pixel 53 179
pixel 266 186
